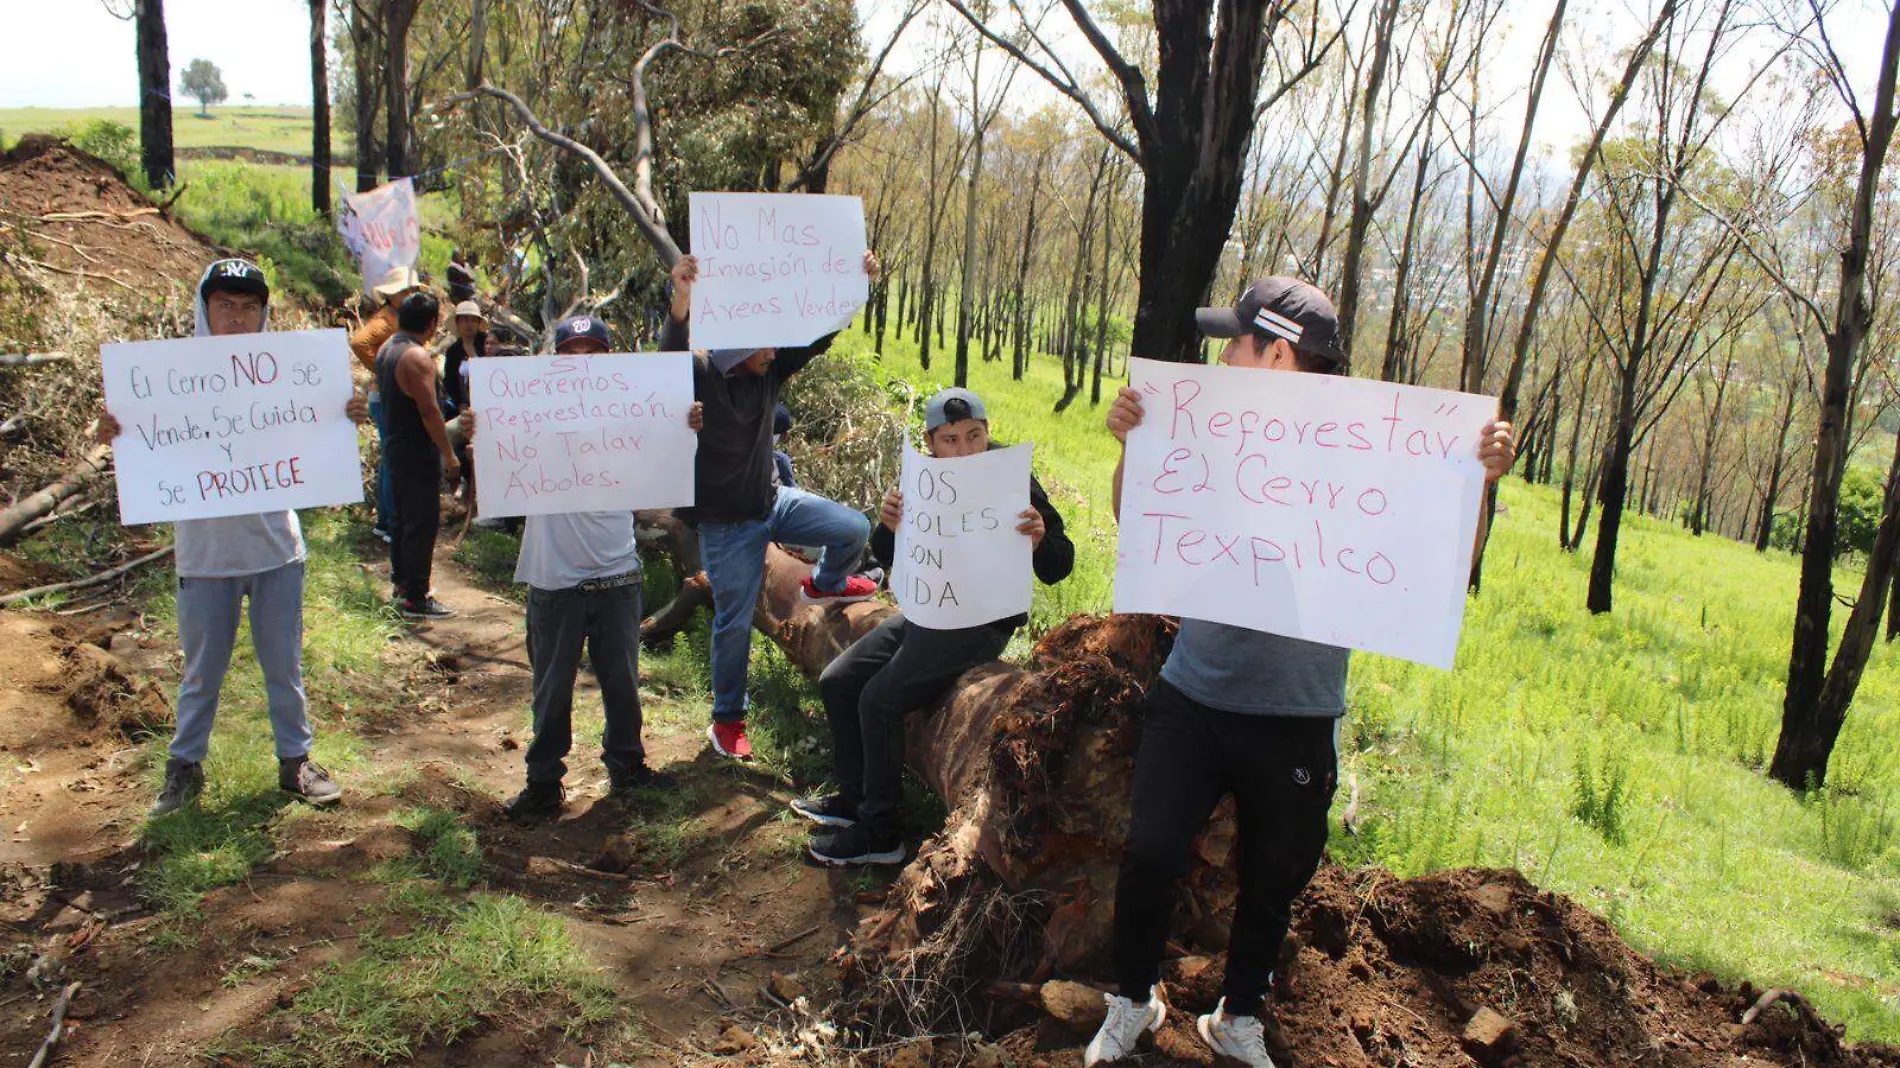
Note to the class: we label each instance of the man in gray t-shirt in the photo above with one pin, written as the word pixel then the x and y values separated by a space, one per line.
pixel 1236 711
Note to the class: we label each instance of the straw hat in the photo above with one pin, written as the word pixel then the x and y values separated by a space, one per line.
pixel 396 281
pixel 470 308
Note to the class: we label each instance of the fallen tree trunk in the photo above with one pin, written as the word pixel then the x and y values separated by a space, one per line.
pixel 13 521
pixel 32 359
pixel 1035 765
pixel 100 579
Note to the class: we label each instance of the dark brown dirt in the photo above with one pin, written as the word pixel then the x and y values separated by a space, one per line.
pixel 118 245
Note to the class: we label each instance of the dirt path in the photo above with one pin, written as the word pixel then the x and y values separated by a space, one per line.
pixel 688 904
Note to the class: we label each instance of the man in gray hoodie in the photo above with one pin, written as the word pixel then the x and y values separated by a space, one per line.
pixel 220 563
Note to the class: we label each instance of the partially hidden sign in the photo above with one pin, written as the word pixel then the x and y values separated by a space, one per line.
pixel 960 560
pixel 1336 510
pixel 775 269
pixel 218 426
pixel 597 433
pixel 382 229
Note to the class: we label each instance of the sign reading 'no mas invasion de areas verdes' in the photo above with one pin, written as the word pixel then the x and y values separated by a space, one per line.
pixel 776 270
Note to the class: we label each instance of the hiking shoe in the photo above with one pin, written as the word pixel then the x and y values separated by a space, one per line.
pixel 1241 1037
pixel 429 608
pixel 536 800
pixel 829 811
pixel 855 588
pixel 639 777
pixel 729 740
pixel 184 781
pixel 308 780
pixel 1124 1026
pixel 855 846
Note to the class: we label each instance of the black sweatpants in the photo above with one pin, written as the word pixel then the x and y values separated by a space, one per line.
pixel 607 622
pixel 869 689
pixel 415 481
pixel 1282 771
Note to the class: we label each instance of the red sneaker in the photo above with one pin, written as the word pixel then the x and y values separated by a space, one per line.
pixel 729 740
pixel 855 588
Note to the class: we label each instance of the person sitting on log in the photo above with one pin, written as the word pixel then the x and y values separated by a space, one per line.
pixel 221 562
pixel 900 666
pixel 1236 711
pixel 740 506
pixel 582 570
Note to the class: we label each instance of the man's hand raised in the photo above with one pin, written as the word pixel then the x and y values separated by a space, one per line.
pixel 107 428
pixel 1125 414
pixel 1497 449
pixel 891 512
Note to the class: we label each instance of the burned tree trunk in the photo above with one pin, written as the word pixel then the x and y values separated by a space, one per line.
pixel 1035 765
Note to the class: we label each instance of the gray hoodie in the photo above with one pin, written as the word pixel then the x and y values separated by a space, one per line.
pixel 237 545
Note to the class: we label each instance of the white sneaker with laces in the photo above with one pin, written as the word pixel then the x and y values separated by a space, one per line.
pixel 1123 1028
pixel 1241 1037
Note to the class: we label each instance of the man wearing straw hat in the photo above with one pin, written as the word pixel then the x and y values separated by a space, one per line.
pixel 471 341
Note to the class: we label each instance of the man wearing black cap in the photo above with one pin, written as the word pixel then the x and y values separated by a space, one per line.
pixel 1236 711
pixel 582 570
pixel 223 561
pixel 871 686
pixel 416 442
pixel 740 506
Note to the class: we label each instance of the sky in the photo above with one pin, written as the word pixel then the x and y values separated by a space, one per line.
pixel 265 51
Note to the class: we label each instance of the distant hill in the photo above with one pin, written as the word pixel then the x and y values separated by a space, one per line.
pixel 279 130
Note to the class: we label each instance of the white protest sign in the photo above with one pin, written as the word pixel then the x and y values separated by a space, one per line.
pixel 217 426
pixel 775 269
pixel 596 433
pixel 1337 510
pixel 959 560
pixel 382 229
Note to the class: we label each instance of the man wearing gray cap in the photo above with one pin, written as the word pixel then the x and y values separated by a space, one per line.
pixel 1236 711
pixel 740 506
pixel 899 666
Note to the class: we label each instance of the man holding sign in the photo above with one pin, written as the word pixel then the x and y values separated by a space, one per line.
pixel 582 570
pixel 950 540
pixel 223 560
pixel 1241 710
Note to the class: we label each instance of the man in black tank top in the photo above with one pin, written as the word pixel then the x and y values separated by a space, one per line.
pixel 416 446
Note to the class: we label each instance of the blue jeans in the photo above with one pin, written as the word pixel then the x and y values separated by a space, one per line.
pixel 208 613
pixel 734 555
pixel 385 496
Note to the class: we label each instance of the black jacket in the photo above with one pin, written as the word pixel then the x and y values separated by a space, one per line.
pixel 736 479
pixel 1052 560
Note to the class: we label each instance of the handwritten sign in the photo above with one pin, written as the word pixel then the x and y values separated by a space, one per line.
pixel 960 561
pixel 775 269
pixel 217 426
pixel 382 229
pixel 600 433
pixel 1336 510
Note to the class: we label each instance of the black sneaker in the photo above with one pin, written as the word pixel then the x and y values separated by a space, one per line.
pixel 536 800
pixel 856 846
pixel 639 777
pixel 429 608
pixel 831 810
pixel 184 781
pixel 308 780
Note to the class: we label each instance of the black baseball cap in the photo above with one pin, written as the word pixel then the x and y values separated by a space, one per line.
pixel 1284 308
pixel 235 276
pixel 579 326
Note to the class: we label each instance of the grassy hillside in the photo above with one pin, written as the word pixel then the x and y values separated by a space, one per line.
pixel 1615 758
pixel 270 129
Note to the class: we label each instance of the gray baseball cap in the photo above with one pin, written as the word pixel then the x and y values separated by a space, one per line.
pixel 953 405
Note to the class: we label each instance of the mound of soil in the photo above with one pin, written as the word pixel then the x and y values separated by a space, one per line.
pixel 1475 965
pixel 83 222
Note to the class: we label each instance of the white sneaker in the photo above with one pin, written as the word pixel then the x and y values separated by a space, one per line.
pixel 1241 1037
pixel 1123 1027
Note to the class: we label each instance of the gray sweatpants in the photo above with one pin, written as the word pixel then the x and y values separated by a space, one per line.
pixel 208 614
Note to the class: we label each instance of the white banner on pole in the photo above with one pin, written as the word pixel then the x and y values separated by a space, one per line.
pixel 1337 510
pixel 775 269
pixel 217 426
pixel 382 228
pixel 959 559
pixel 596 433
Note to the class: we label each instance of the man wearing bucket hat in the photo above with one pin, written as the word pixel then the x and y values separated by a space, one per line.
pixel 366 342
pixel 899 666
pixel 1240 712
pixel 740 505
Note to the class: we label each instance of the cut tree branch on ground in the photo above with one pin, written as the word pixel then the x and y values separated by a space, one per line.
pixel 44 1056
pixel 14 520
pixel 100 579
pixel 32 359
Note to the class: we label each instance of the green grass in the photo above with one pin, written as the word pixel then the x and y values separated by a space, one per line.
pixel 280 129
pixel 1616 758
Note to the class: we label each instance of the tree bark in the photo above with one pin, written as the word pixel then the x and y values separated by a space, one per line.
pixel 319 107
pixel 1363 203
pixel 398 15
pixel 14 520
pixel 155 94
pixel 364 33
